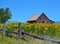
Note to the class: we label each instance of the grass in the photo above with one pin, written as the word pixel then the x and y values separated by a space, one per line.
pixel 9 40
pixel 29 40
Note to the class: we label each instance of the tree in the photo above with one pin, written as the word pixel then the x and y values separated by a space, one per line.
pixel 5 14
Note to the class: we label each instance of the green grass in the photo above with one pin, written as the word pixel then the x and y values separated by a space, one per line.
pixel 8 40
pixel 29 40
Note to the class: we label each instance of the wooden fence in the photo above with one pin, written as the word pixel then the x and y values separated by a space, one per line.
pixel 20 32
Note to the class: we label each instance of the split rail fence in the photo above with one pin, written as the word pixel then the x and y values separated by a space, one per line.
pixel 20 32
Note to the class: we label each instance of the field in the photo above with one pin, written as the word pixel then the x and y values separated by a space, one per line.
pixel 44 30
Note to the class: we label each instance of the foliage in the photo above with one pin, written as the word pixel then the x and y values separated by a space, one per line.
pixel 44 30
pixel 5 14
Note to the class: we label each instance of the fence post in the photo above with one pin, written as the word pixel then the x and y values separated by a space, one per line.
pixel 3 31
pixel 19 31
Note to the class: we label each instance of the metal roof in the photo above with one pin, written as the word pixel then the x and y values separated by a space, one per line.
pixel 34 17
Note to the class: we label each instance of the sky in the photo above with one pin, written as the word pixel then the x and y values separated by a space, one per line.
pixel 22 10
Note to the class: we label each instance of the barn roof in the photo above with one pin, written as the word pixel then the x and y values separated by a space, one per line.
pixel 34 17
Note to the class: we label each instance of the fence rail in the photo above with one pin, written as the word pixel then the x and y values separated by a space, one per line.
pixel 34 36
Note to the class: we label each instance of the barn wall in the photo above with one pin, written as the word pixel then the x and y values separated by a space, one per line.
pixel 43 19
pixel 31 21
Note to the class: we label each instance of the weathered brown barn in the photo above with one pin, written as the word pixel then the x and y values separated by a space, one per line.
pixel 39 19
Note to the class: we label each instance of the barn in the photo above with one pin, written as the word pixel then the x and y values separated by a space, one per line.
pixel 39 18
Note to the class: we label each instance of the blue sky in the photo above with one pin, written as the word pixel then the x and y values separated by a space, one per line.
pixel 23 9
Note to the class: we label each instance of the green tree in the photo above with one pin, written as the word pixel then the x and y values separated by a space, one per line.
pixel 5 14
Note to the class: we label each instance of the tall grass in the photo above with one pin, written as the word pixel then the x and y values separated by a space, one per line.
pixel 45 30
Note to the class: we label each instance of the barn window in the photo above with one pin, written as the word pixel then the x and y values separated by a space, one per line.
pixel 43 22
